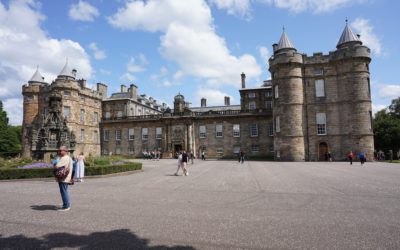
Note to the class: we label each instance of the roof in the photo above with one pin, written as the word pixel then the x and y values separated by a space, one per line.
pixel 37 77
pixel 284 42
pixel 215 108
pixel 66 71
pixel 347 36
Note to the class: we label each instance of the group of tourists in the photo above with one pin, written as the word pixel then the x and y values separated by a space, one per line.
pixel 152 155
pixel 183 159
pixel 362 156
pixel 67 170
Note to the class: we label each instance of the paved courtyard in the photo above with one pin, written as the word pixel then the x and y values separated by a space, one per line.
pixel 220 205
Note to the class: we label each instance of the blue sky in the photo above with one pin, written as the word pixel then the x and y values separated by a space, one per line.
pixel 196 47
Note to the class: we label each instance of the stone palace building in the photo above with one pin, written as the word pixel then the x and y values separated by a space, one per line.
pixel 311 106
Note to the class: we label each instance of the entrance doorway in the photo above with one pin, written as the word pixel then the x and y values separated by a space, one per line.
pixel 322 151
pixel 177 148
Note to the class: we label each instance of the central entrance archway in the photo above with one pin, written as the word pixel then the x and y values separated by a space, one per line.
pixel 322 151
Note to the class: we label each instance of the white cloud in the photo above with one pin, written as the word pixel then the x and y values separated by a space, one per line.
pixel 97 53
pixel 189 39
pixel 214 97
pixel 316 6
pixel 163 72
pixel 128 77
pixel 368 37
pixel 14 107
pixel 239 8
pixel 83 11
pixel 264 54
pixel 389 91
pixel 134 67
pixel 105 72
pixel 24 45
pixel 377 107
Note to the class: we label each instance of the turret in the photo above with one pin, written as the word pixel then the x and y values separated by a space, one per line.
pixel 179 103
pixel 66 73
pixel 287 84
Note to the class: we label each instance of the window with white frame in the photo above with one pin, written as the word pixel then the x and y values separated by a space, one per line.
pixel 268 93
pixel 82 135
pixel 319 71
pixel 131 150
pixel 67 93
pixel 236 149
pixel 268 104
pixel 252 95
pixel 252 105
pixel 255 148
pixel 95 136
pixel 270 129
pixel 118 151
pixel 145 133
pixel 276 91
pixel 82 116
pixel 119 114
pixel 254 130
pixel 108 115
pixel 118 134
pixel 202 131
pixel 236 130
pixel 67 111
pixel 220 151
pixel 277 124
pixel 319 88
pixel 95 117
pixel 321 124
pixel 106 135
pixel 158 133
pixel 218 130
pixel 131 134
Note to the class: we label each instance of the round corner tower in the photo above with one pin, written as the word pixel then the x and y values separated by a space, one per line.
pixel 352 60
pixel 288 114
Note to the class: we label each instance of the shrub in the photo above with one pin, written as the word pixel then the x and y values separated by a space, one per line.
pixel 21 173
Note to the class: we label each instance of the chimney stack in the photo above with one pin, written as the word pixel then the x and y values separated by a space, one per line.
pixel 227 101
pixel 133 92
pixel 203 102
pixel 274 47
pixel 243 80
pixel 123 88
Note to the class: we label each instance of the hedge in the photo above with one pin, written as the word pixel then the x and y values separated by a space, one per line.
pixel 17 173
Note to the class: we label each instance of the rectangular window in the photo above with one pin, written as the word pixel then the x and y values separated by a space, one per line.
pixel 82 135
pixel 268 93
pixel 106 135
pixel 95 117
pixel 95 137
pixel 253 130
pixel 277 124
pixel 218 130
pixel 131 150
pixel 118 134
pixel 319 88
pixel 220 151
pixel 158 133
pixel 319 72
pixel 29 98
pixel 67 93
pixel 119 114
pixel 67 111
pixel 108 115
pixel 268 105
pixel 236 150
pixel 255 148
pixel 202 131
pixel 131 134
pixel 321 124
pixel 82 98
pixel 82 116
pixel 252 105
pixel 145 133
pixel 236 130
pixel 118 151
pixel 276 92
pixel 270 129
pixel 252 95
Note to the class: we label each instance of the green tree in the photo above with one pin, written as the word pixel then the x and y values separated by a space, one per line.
pixel 387 128
pixel 10 136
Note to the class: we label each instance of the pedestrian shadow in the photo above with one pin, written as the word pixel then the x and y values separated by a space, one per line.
pixel 44 207
pixel 115 239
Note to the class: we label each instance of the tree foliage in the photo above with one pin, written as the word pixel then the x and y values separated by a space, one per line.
pixel 387 128
pixel 10 136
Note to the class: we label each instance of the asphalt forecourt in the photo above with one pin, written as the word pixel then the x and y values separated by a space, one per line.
pixel 220 205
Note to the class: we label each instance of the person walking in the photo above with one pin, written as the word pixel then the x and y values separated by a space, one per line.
pixel 350 155
pixel 361 156
pixel 66 162
pixel 184 163
pixel 179 164
pixel 80 168
pixel 241 157
pixel 203 155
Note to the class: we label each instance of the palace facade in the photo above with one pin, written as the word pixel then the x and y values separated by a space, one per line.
pixel 311 106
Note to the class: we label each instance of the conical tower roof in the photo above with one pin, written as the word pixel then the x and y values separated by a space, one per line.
pixel 66 71
pixel 347 36
pixel 284 42
pixel 37 77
